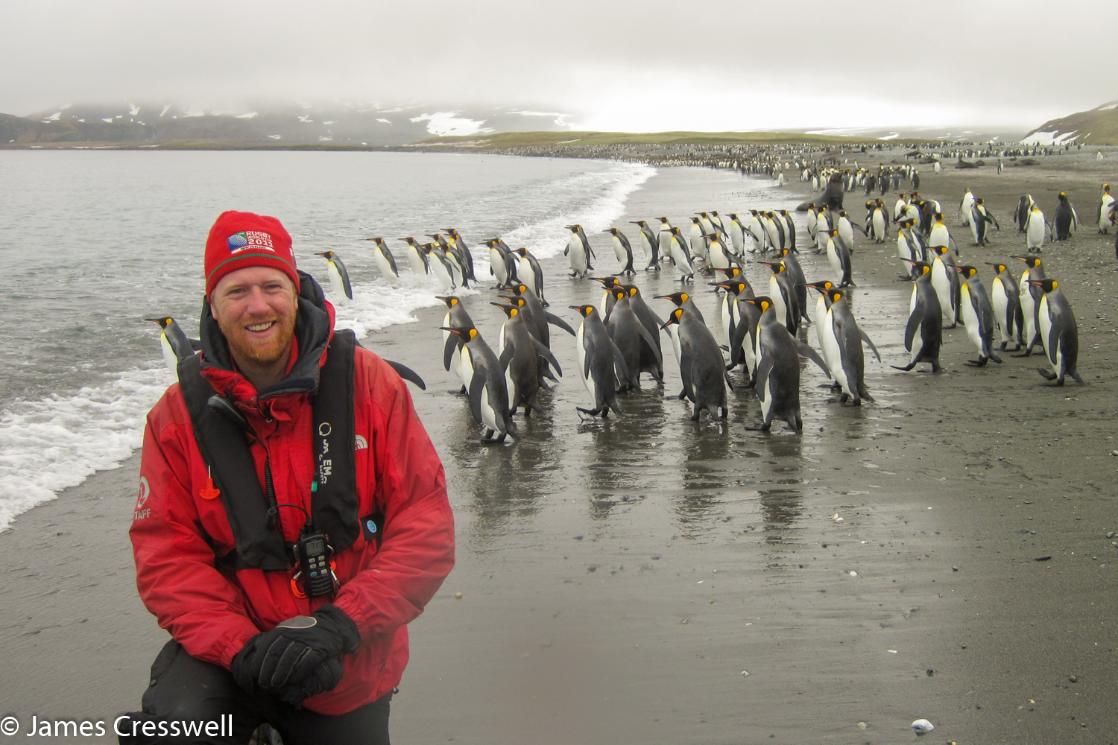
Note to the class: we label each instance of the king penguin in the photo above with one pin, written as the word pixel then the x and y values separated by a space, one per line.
pixel 522 377
pixel 1029 295
pixel 1067 220
pixel 651 359
pixel 174 343
pixel 977 314
pixel 843 341
pixel 1008 318
pixel 923 332
pixel 578 251
pixel 700 365
pixel 529 271
pixel 680 256
pixel 1106 202
pixel 776 381
pixel 488 391
pixel 633 340
pixel 1058 332
pixel 384 260
pixel 945 281
pixel 600 364
pixel 1035 229
pixel 339 277
pixel 456 317
pixel 417 257
pixel 622 251
pixel 651 244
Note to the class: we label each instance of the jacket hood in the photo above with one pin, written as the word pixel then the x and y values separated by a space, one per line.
pixel 314 328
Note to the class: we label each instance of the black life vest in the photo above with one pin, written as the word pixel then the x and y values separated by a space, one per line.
pixel 252 513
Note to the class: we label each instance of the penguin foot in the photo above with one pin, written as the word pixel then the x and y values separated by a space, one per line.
pixel 906 368
pixel 1048 374
pixel 995 358
pixel 1026 353
pixel 980 362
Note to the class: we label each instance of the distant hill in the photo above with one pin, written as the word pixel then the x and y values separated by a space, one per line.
pixel 1099 126
pixel 171 125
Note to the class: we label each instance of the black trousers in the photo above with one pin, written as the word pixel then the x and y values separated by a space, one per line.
pixel 184 689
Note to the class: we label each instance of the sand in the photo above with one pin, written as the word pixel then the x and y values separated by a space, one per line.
pixel 946 553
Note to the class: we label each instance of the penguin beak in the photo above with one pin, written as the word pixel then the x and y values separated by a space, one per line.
pixel 451 329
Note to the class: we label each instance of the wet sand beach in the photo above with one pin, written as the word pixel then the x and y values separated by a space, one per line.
pixel 947 552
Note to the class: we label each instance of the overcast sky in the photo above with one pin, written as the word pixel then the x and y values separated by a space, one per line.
pixel 647 66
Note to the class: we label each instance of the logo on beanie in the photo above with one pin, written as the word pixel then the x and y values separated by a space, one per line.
pixel 250 240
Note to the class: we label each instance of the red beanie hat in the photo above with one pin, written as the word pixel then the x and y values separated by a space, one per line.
pixel 242 239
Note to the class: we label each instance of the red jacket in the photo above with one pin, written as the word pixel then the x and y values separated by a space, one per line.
pixel 211 612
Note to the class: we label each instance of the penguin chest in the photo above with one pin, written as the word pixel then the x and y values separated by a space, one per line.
pixel 939 235
pixel 497 265
pixel 489 416
pixel 941 283
pixel 834 259
pixel 1044 323
pixel 969 312
pixel 619 251
pixel 1034 233
pixel 878 224
pixel 576 254
pixel 583 370
pixel 170 359
pixel 832 353
pixel 418 265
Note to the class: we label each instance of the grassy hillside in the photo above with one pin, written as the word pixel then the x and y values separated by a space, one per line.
pixel 1099 126
pixel 590 139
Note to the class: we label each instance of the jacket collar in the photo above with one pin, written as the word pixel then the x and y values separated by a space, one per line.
pixel 314 327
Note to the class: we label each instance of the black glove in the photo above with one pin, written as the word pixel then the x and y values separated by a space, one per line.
pixel 286 656
pixel 323 678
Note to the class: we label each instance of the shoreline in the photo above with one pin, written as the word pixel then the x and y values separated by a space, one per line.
pixel 620 592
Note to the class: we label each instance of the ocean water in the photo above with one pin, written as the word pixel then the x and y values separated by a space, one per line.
pixel 93 242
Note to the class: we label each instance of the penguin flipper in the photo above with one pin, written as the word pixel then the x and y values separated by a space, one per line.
pixel 913 324
pixel 621 370
pixel 555 320
pixel 805 350
pixel 544 352
pixel 449 348
pixel 477 385
pixel 195 344
pixel 506 357
pixel 408 374
pixel 651 342
pixel 869 342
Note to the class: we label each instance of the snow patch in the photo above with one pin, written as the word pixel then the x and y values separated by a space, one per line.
pixel 133 109
pixel 890 136
pixel 166 108
pixel 1051 138
pixel 275 137
pixel 448 124
pixel 384 121
pixel 1108 107
pixel 305 118
pixel 53 117
pixel 249 115
pixel 107 119
pixel 324 138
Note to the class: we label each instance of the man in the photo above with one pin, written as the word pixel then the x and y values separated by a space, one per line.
pixel 293 514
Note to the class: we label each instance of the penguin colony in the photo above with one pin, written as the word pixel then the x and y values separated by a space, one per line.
pixel 764 317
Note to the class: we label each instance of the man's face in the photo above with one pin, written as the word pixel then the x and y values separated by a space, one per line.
pixel 255 309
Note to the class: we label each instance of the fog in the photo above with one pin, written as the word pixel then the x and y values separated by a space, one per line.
pixel 648 66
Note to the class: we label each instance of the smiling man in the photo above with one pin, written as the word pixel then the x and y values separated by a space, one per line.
pixel 294 518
